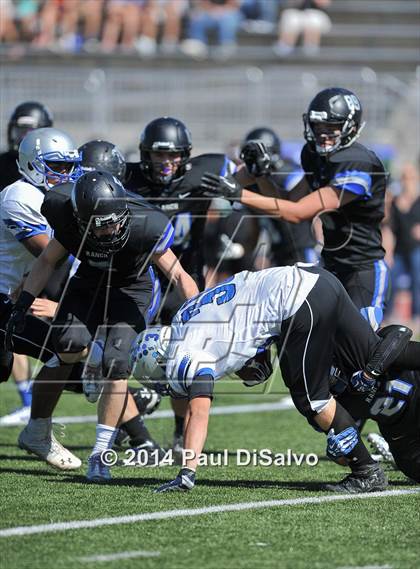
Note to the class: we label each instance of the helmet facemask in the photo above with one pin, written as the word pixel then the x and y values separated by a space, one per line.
pixel 110 241
pixel 50 165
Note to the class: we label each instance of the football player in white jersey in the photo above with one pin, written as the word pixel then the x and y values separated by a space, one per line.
pixel 47 156
pixel 310 316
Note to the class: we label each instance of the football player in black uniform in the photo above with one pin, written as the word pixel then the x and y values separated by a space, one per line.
pixel 26 116
pixel 170 179
pixel 114 291
pixel 394 403
pixel 290 243
pixel 104 155
pixel 344 185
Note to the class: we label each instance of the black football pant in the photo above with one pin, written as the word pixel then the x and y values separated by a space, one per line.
pixel 327 324
pixel 34 340
pixel 117 314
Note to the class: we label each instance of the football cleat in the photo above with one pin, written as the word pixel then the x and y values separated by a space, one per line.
pixel 45 446
pixel 371 479
pixel 155 454
pixel 147 400
pixel 122 439
pixel 19 416
pixel 379 445
pixel 92 384
pixel 98 472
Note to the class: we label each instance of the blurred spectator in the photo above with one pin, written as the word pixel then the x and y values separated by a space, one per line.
pixel 308 17
pixel 224 16
pixel 8 31
pixel 26 14
pixel 165 13
pixel 58 20
pixel 91 12
pixel 405 223
pixel 123 19
pixel 261 15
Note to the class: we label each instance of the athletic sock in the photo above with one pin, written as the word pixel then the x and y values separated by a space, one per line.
pixel 137 431
pixel 105 437
pixel 179 426
pixel 25 391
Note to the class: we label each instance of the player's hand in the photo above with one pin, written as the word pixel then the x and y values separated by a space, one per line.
pixel 183 482
pixel 361 383
pixel 256 157
pixel 220 186
pixel 14 325
pixel 44 308
pixel 341 444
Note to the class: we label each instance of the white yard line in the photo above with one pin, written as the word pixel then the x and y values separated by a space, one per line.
pixel 283 404
pixel 117 556
pixel 169 514
pixel 366 567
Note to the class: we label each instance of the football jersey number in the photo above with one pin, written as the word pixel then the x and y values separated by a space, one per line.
pixel 222 293
pixel 388 406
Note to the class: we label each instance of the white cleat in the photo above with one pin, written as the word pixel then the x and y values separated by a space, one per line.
pixel 98 472
pixel 45 446
pixel 16 418
pixel 379 445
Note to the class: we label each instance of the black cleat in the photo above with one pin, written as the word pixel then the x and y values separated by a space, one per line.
pixel 148 453
pixel 371 479
pixel 122 439
pixel 147 400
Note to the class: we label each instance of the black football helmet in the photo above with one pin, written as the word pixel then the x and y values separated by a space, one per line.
pixel 26 116
pixel 164 134
pixel 333 107
pixel 99 200
pixel 103 155
pixel 270 140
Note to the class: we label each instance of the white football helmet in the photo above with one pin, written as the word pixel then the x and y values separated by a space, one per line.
pixel 147 357
pixel 48 156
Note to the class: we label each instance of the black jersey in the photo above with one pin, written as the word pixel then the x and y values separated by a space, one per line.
pixel 391 402
pixel 352 235
pixel 9 172
pixel 181 202
pixel 150 232
pixel 289 241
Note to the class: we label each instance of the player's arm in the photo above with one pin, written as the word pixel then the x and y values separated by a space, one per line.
pixel 44 267
pixel 324 199
pixel 36 244
pixel 174 271
pixel 41 272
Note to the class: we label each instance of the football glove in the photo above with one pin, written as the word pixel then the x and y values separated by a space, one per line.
pixel 221 186
pixel 16 321
pixel 256 158
pixel 183 482
pixel 359 382
pixel 341 444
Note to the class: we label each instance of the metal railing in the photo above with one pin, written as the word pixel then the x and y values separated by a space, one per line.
pixel 219 105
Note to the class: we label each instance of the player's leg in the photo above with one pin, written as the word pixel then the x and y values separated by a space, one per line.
pixel 306 358
pixel 21 372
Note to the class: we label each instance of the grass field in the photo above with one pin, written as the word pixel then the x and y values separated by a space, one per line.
pixel 375 531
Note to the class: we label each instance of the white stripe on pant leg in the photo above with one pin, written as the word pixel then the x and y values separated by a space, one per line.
pixel 304 354
pixel 383 271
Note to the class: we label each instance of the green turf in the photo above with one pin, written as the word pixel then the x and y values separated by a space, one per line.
pixel 374 531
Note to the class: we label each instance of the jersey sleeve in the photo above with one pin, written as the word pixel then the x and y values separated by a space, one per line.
pixel 228 167
pixel 22 220
pixel 192 374
pixel 163 237
pixel 354 177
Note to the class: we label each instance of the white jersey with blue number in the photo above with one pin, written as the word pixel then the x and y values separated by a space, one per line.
pixel 20 218
pixel 216 332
